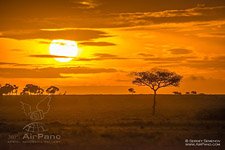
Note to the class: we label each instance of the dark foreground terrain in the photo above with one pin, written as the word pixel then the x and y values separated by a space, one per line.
pixel 115 122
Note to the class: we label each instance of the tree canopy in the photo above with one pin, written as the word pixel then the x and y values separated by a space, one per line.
pixel 156 79
pixel 52 90
pixel 30 88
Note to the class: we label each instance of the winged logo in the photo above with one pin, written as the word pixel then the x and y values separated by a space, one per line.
pixel 41 109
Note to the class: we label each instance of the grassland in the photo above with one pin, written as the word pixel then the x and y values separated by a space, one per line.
pixel 119 122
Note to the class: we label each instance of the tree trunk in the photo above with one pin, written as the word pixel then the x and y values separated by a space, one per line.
pixel 154 104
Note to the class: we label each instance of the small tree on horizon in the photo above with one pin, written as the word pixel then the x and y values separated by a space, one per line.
pixel 52 90
pixel 187 93
pixel 177 93
pixel 156 79
pixel 131 90
pixel 31 88
pixel 8 89
pixel 193 92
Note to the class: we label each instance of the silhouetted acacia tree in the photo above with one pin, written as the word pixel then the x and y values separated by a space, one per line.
pixel 193 92
pixel 52 90
pixel 187 93
pixel 177 93
pixel 30 88
pixel 131 90
pixel 8 89
pixel 156 79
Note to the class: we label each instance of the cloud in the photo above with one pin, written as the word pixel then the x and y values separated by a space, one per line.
pixel 197 78
pixel 102 56
pixel 86 4
pixel 199 13
pixel 170 59
pixel 70 34
pixel 175 61
pixel 48 56
pixel 50 72
pixel 105 55
pixel 180 51
pixel 7 63
pixel 104 14
pixel 214 63
pixel 13 64
pixel 97 44
pixel 145 54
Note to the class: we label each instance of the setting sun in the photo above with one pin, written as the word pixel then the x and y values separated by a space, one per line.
pixel 65 50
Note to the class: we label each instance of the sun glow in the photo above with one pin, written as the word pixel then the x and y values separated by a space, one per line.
pixel 64 50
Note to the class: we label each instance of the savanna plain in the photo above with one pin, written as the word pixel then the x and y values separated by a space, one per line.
pixel 119 122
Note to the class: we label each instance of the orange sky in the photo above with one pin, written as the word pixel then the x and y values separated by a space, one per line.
pixel 114 38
